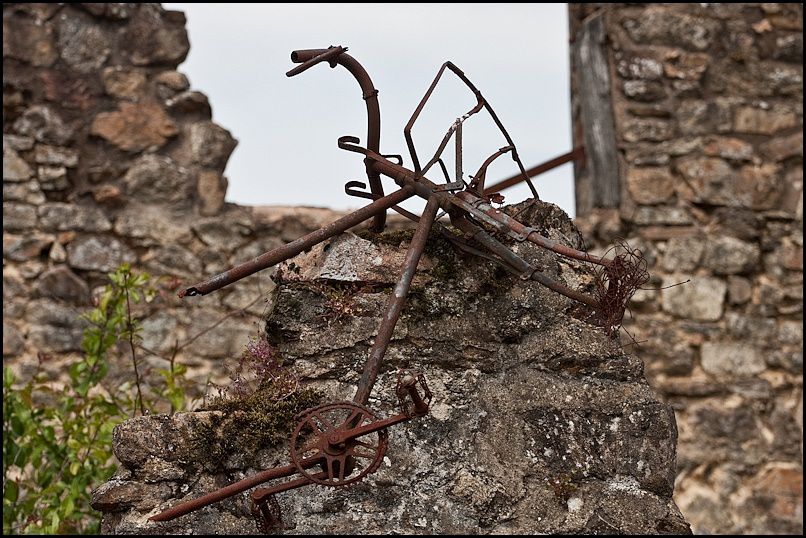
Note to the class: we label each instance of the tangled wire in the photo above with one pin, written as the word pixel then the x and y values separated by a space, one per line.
pixel 616 283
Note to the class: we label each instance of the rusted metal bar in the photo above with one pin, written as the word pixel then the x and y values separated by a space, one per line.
pixel 396 301
pixel 526 270
pixel 481 102
pixel 573 155
pixel 228 491
pixel 279 254
pixel 370 95
pixel 477 185
pixel 522 232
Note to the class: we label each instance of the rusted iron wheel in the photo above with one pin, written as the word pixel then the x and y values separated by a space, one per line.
pixel 322 433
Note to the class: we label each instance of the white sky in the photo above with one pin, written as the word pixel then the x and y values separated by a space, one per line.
pixel 516 54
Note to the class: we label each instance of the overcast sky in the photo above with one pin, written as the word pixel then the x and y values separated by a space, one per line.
pixel 516 54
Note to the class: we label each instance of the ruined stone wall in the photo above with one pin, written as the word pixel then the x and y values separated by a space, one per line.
pixel 706 104
pixel 110 156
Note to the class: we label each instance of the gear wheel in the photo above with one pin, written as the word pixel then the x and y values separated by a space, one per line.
pixel 319 435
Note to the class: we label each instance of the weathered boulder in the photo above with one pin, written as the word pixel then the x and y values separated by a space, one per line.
pixel 540 422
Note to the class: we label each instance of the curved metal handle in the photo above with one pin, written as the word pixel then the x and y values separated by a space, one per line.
pixel 329 55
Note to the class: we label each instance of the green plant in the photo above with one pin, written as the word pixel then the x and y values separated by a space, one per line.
pixel 57 441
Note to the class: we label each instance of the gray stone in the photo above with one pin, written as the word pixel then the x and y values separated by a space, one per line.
pixel 789 48
pixel 683 254
pixel 790 332
pixel 640 67
pixel 211 188
pixel 538 420
pixel 740 290
pixel 174 80
pixel 708 180
pixel 159 332
pixel 60 217
pixel 43 124
pixel 18 143
pixel 173 259
pixel 14 167
pixel 190 103
pixel 675 216
pixel 18 216
pixel 156 37
pixel 227 233
pixel 157 179
pixel 644 90
pixel 210 145
pixel 727 255
pixel 760 121
pixel 647 129
pixel 44 154
pixel 650 185
pixel 53 178
pixel 83 45
pixel 61 283
pixel 98 253
pixel 28 192
pixel 660 26
pixel 54 326
pixel 57 253
pixel 151 225
pixel 13 342
pixel 732 359
pixel 227 339
pixel 759 187
pixel 701 299
pixel 23 248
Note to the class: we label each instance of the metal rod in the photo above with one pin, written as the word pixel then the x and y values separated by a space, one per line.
pixel 576 153
pixel 228 491
pixel 396 301
pixel 279 254
pixel 370 95
pixel 527 233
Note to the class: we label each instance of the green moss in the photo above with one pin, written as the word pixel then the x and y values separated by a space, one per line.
pixel 250 423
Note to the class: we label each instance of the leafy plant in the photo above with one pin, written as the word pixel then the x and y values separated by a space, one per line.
pixel 57 441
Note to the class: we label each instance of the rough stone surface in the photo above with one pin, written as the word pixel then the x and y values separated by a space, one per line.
pixel 712 96
pixel 61 283
pixel 135 126
pixel 506 449
pixel 701 299
pixel 154 177
pixel 98 253
pixel 60 217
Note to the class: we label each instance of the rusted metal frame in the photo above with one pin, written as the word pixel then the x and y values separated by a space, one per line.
pixel 477 184
pixel 577 153
pixel 261 494
pixel 228 491
pixel 282 253
pixel 396 301
pixel 423 187
pixel 524 268
pixel 407 129
pixel 525 233
pixel 480 101
pixel 370 95
pixel 473 205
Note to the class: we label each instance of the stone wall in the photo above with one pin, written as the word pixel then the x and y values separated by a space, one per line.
pixel 110 156
pixel 540 422
pixel 705 101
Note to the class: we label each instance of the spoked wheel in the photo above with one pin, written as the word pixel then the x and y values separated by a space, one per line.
pixel 322 434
